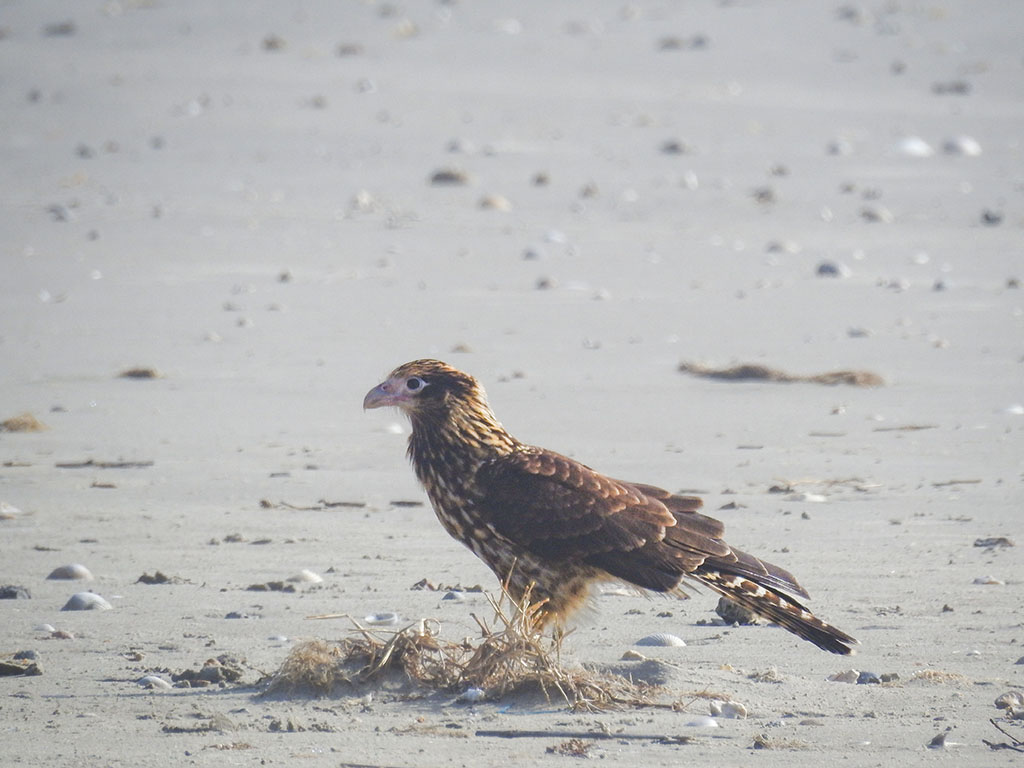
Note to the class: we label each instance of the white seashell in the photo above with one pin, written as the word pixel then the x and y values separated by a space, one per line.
pixel 306 576
pixel 45 628
pixel 812 497
pixel 914 146
pixel 278 638
pixel 661 639
pixel 75 571
pixel 846 676
pixel 961 145
pixel 1014 410
pixel 472 695
pixel 9 511
pixel 1010 700
pixel 383 619
pixel 702 722
pixel 731 709
pixel 989 580
pixel 86 601
pixel 154 682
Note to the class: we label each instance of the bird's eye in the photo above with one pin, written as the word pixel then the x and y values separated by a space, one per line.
pixel 415 383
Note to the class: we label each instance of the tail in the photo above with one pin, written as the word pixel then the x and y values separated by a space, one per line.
pixel 775 606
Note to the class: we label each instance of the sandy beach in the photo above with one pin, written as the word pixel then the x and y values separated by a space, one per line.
pixel 223 223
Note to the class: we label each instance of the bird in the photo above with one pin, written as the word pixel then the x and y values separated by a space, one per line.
pixel 552 528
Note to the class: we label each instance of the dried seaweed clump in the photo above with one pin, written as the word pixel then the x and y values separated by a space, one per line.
pixel 757 372
pixel 512 656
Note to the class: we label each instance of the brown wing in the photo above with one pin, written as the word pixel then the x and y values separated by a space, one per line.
pixel 555 507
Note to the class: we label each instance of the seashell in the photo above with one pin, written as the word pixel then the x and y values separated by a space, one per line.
pixel 9 511
pixel 914 146
pixel 661 639
pixel 967 146
pixel 846 676
pixel 1010 700
pixel 730 709
pixel 154 682
pixel 989 581
pixel 86 601
pixel 702 722
pixel 811 497
pixel 45 628
pixel 458 596
pixel 632 655
pixel 472 695
pixel 383 619
pixel 307 576
pixel 73 572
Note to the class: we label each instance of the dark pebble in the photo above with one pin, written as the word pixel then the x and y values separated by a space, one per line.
pixel 865 678
pixel 26 656
pixel 14 592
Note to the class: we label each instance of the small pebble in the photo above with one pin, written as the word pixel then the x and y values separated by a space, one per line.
pixel 832 269
pixel 14 592
pixel 383 619
pixel 458 596
pixel 86 601
pixel 26 656
pixel 73 572
pixel 732 612
pixel 632 655
pixel 661 639
pixel 938 742
pixel 449 177
pixel 495 203
pixel 991 218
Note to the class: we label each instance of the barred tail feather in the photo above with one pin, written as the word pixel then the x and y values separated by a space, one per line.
pixel 784 611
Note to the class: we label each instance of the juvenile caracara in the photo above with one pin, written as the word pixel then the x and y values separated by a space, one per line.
pixel 540 519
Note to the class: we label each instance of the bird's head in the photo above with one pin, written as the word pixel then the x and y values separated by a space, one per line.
pixel 425 388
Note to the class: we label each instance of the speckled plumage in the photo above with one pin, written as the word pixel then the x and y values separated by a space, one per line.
pixel 541 520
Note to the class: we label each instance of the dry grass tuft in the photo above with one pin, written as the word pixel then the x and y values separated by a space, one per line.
pixel 512 657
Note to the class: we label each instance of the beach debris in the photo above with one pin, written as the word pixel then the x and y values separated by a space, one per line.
pixel 702 722
pixel 571 748
pixel 965 146
pixel 219 671
pixel 14 592
pixel 72 572
pixel 732 612
pixel 991 218
pixel 383 619
pixel 938 741
pixel 868 678
pixel 456 596
pixel 989 581
pixel 158 577
pixel 306 576
pixel 1010 700
pixel 758 372
pixel 86 601
pixel 154 682
pixel 24 422
pixel 94 464
pixel 271 586
pixel 495 203
pixel 764 741
pixel 913 146
pixel 727 709
pixel 9 511
pixel 19 667
pixel 832 269
pixel 846 676
pixel 139 373
pixel 472 695
pixel 449 177
pixel 992 542
pixel 661 639
pixel 510 656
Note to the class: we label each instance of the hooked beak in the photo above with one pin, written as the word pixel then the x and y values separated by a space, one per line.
pixel 384 394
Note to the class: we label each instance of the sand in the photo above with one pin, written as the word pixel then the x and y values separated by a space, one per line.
pixel 235 202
